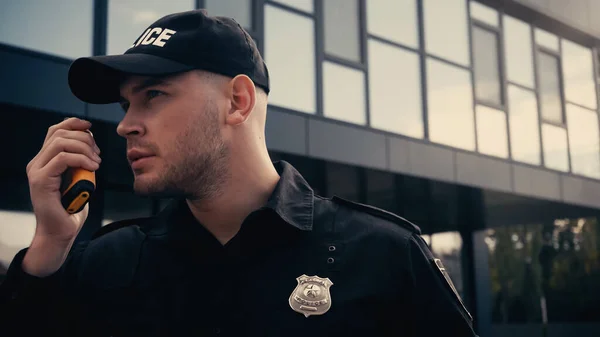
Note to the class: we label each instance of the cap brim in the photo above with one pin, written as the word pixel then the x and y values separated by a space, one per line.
pixel 97 79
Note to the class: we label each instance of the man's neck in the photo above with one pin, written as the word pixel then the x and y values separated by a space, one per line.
pixel 242 194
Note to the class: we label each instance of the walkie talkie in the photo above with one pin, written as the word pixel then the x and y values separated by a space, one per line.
pixel 76 188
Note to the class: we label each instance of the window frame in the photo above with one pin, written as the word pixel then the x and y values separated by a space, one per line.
pixel 537 49
pixel 322 56
pixel 502 74
pixel 476 24
pixel 259 6
pixel 543 50
pixel 256 20
pixel 361 8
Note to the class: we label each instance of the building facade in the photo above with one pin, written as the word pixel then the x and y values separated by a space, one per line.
pixel 476 120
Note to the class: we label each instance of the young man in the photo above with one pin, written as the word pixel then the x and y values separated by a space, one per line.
pixel 245 249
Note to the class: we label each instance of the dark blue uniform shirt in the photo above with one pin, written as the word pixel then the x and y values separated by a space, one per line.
pixel 301 265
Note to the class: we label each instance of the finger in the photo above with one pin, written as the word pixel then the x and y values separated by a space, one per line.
pixel 60 145
pixel 62 161
pixel 83 136
pixel 68 124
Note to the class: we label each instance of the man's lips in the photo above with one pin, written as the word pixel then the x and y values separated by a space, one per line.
pixel 134 155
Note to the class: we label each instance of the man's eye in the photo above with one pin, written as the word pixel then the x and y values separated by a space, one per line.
pixel 153 93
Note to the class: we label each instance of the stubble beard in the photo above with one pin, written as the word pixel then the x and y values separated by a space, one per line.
pixel 202 166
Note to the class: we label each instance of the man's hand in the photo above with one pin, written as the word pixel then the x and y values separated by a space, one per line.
pixel 67 144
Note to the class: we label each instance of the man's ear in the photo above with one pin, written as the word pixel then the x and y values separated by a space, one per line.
pixel 242 94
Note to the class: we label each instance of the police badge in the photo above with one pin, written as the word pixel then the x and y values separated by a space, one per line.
pixel 311 296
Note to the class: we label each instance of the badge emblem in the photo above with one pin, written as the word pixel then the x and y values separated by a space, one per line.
pixel 311 296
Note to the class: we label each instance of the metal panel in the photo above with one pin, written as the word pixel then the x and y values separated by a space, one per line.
pixel 38 83
pixel 536 182
pixel 346 144
pixel 574 13
pixel 105 112
pixel 285 132
pixel 484 172
pixel 431 161
pixel 581 191
pixel 537 4
pixel 398 154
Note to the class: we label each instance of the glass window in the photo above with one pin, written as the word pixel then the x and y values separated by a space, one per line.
pixel 549 82
pixel 125 205
pixel 578 73
pixel 450 102
pixel 518 52
pixel 47 27
pixel 487 68
pixel 484 13
pixel 303 5
pixel 524 125
pixel 491 132
pixel 395 20
pixel 446 29
pixel 240 10
pixel 381 190
pixel 557 261
pixel 291 68
pixel 554 139
pixel 546 40
pixel 128 19
pixel 341 27
pixel 342 181
pixel 447 247
pixel 16 232
pixel 344 93
pixel 395 90
pixel 583 141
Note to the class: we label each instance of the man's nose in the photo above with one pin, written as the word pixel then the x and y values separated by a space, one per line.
pixel 129 127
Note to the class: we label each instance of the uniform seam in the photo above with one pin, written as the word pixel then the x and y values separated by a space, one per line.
pixel 335 214
pixel 139 261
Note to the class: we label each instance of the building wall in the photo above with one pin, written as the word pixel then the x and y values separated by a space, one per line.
pixel 581 14
pixel 449 90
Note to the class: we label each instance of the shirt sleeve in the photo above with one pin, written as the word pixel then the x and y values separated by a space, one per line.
pixel 31 305
pixel 439 310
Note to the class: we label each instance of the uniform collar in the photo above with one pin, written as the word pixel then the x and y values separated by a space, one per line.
pixel 292 200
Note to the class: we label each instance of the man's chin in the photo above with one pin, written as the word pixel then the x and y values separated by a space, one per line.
pixel 145 187
pixel 150 188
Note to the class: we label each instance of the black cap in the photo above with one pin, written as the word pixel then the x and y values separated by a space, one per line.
pixel 173 44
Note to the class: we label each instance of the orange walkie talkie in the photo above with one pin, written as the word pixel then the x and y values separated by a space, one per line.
pixel 76 188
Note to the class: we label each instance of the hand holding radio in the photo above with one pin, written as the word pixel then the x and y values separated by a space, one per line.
pixel 61 180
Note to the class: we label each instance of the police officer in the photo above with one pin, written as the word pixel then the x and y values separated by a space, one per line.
pixel 245 248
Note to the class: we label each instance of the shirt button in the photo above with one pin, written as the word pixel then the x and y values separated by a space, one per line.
pixel 331 248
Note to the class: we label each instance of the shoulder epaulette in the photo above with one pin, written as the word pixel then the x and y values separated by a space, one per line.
pixel 113 226
pixel 380 213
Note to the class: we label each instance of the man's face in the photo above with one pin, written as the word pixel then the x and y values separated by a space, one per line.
pixel 173 131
